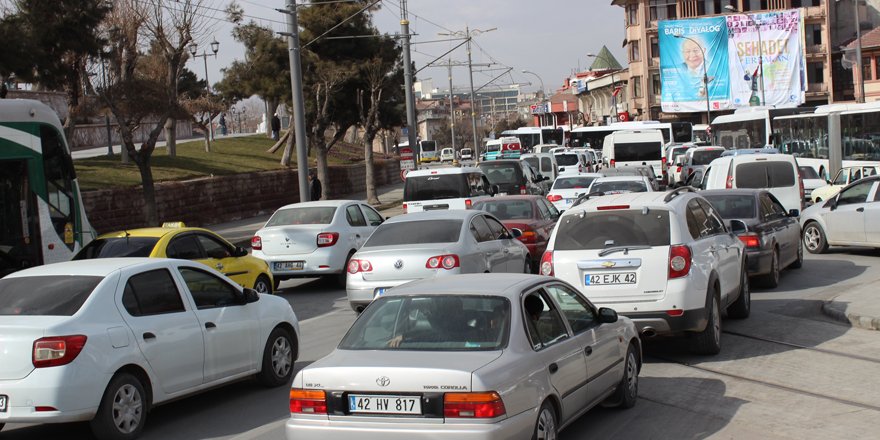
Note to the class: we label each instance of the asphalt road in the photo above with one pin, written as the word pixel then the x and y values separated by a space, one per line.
pixel 786 372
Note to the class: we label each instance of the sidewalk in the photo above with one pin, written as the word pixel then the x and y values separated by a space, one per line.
pixel 859 307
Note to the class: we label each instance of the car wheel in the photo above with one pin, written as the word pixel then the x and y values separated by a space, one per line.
pixel 277 284
pixel 546 427
pixel 123 409
pixel 741 308
pixel 527 268
pixel 708 341
pixel 262 285
pixel 799 262
pixel 1 426
pixel 814 238
pixel 340 279
pixel 278 358
pixel 627 390
pixel 771 280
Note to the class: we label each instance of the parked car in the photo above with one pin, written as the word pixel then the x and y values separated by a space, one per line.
pixel 777 173
pixel 447 155
pixel 771 235
pixel 812 181
pixel 444 188
pixel 844 177
pixel 466 154
pixel 314 239
pixel 467 357
pixel 432 245
pixel 567 189
pixel 546 164
pixel 851 218
pixel 106 340
pixel 175 240
pixel 534 216
pixel 665 260
pixel 512 176
pixel 620 185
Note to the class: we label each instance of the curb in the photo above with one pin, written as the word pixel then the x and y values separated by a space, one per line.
pixel 856 320
pixel 387 205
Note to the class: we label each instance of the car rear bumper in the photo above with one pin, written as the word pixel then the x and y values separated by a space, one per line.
pixel 315 263
pixel 661 324
pixel 73 391
pixel 759 261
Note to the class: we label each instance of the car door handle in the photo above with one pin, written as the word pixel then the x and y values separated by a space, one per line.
pixel 489 254
pixel 149 335
pixel 588 351
pixel 358 235
pixel 506 250
pixel 553 368
pixel 860 210
pixel 210 325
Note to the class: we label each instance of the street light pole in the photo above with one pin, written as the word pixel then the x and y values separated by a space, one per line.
pixel 760 48
pixel 861 97
pixel 543 93
pixel 705 76
pixel 451 107
pixel 299 118
pixel 613 85
pixel 193 50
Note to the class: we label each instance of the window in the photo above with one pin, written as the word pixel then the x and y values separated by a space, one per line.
pixel 840 179
pixel 716 226
pixel 601 229
pixel 857 193
pixel 507 209
pixel 813 33
pixel 424 231
pixel 577 311
pixel 655 48
pixel 498 230
pixel 185 247
pixel 662 9
pixel 543 323
pixel 45 295
pixel 151 293
pixel 632 14
pixel 696 220
pixel 543 209
pixel 734 206
pixel 637 87
pixel 754 5
pixel 207 290
pixel 776 174
pixel 373 217
pixel 354 216
pixel 214 248
pixel 655 84
pixel 480 229
pixel 436 187
pixel 59 172
pixel 867 71
pixel 554 213
pixel 712 7
pixel 634 51
pixel 816 73
pixel 302 216
pixel 118 247
pixel 804 3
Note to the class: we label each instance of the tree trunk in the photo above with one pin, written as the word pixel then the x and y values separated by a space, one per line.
pixel 281 141
pixel 171 137
pixel 323 171
pixel 150 213
pixel 288 148
pixel 271 108
pixel 372 197
pixel 70 124
pixel 207 140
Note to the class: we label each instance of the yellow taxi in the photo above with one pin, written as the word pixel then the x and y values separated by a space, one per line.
pixel 175 240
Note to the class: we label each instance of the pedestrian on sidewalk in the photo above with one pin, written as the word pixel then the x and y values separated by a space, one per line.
pixel 314 186
pixel 276 127
pixel 223 124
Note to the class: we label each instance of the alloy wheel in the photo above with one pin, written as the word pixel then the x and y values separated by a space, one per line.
pixel 546 425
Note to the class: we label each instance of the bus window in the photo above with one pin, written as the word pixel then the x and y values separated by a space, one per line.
pixel 19 236
pixel 58 169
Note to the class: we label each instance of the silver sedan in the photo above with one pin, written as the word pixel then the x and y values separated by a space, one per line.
pixel 432 244
pixel 485 356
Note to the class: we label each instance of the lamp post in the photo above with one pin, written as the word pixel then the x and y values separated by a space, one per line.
pixel 705 76
pixel 732 8
pixel 193 50
pixel 543 93
pixel 613 82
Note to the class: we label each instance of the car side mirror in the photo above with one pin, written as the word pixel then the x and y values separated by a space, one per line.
pixel 250 295
pixel 516 232
pixel 544 178
pixel 794 213
pixel 607 316
pixel 239 252
pixel 738 227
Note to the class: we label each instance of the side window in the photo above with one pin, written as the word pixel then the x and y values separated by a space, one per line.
pixel 840 178
pixel 58 169
pixel 857 193
pixel 354 216
pixel 715 225
pixel 577 311
pixel 498 230
pixel 542 208
pixel 477 184
pixel 485 186
pixel 547 166
pixel 776 207
pixel 373 217
pixel 213 248
pixel 480 229
pixel 151 293
pixel 207 290
pixel 543 323
pixel 696 220
pixel 553 211
pixel 184 247
pixel 766 207
pixel 877 195
pixel 856 174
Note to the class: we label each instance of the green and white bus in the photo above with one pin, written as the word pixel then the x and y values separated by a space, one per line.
pixel 42 220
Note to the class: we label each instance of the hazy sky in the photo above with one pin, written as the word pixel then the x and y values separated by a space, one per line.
pixel 548 37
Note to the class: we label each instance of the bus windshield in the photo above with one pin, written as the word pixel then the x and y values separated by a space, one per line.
pixel 741 134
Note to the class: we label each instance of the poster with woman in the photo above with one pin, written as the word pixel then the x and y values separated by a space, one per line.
pixel 694 63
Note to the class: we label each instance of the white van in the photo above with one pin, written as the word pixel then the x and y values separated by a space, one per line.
pixel 444 188
pixel 635 148
pixel 777 173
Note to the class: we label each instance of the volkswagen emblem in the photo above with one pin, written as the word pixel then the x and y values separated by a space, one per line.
pixel 383 381
pixel 398 264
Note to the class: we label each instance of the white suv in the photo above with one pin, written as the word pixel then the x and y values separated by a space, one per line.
pixel 664 260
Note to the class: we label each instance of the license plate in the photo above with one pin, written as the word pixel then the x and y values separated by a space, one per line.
pixel 384 404
pixel 380 291
pixel 288 265
pixel 569 201
pixel 3 401
pixel 610 279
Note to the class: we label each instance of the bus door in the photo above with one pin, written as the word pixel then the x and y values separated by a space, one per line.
pixel 19 231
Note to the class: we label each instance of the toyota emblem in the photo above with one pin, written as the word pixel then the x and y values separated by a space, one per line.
pixel 398 264
pixel 383 381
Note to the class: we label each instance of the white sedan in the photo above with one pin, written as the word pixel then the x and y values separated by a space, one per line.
pixel 314 239
pixel 621 185
pixel 105 340
pixel 851 218
pixel 566 189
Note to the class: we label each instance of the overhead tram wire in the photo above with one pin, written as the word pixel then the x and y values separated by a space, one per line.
pixel 361 11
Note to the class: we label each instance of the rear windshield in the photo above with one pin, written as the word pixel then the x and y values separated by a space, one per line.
pixel 809 173
pixel 118 247
pixel 566 159
pixel 466 151
pixel 431 323
pixel 424 231
pixel 442 186
pixel 704 157
pixel 303 216
pixel 533 161
pixel 508 209
pixel 601 229
pixel 734 206
pixel 45 295
pixel 573 182
pixel 619 187
pixel 762 174
pixel 637 151
pixel 501 173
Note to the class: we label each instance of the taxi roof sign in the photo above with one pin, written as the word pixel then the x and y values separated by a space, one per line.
pixel 173 225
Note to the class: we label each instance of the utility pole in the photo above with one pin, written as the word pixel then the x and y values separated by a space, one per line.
pixel 861 97
pixel 299 118
pixel 451 106
pixel 473 102
pixel 408 81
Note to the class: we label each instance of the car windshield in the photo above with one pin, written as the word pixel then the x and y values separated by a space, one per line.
pixel 704 157
pixel 311 215
pixel 566 159
pixel 435 187
pixel 809 173
pixel 619 187
pixel 601 229
pixel 573 182
pixel 45 295
pixel 414 232
pixel 769 174
pixel 501 173
pixel 431 323
pixel 118 247
pixel 737 206
pixel 508 209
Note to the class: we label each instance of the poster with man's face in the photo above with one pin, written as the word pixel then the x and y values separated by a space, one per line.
pixel 694 65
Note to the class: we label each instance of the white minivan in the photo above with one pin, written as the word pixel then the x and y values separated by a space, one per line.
pixel 444 188
pixel 777 173
pixel 635 148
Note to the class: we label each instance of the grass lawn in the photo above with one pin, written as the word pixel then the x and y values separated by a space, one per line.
pixel 229 156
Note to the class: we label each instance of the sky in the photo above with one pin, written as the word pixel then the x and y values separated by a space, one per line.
pixel 548 37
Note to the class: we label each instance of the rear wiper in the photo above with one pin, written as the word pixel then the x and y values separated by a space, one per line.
pixel 625 249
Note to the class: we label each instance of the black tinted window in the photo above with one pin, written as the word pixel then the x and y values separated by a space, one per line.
pixel 507 209
pixel 441 186
pixel 424 231
pixel 546 165
pixel 185 248
pixel 637 151
pixel 498 230
pixel 480 229
pixel 600 229
pixel 207 290
pixel 704 157
pixel 213 247
pixel 302 216
pixel 808 173
pixel 118 247
pixel 566 159
pixel 573 182
pixel 698 223
pixel 501 173
pixel 45 295
pixel 151 293
pixel 765 175
pixel 734 206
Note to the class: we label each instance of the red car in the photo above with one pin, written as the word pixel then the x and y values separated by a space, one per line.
pixel 531 214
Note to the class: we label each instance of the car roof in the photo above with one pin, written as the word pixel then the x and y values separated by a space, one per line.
pixel 510 161
pixel 442 171
pixel 150 232
pixel 654 200
pixel 593 175
pixel 733 192
pixel 710 148
pixel 440 214
pixel 319 204
pixel 630 178
pixel 509 197
pixel 91 267
pixel 508 285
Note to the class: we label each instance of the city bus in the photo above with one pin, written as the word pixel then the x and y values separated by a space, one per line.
pixel 428 151
pixel 749 127
pixel 43 220
pixel 594 136
pixel 531 136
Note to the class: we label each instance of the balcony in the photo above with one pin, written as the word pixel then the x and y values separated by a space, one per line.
pixel 817 88
pixel 816 49
pixel 814 12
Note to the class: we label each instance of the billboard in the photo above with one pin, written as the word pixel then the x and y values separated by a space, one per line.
pixel 687 47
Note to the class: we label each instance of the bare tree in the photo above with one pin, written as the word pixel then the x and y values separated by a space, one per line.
pixel 202 111
pixel 329 78
pixel 374 72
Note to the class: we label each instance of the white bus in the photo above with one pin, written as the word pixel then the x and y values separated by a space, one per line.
pixel 531 136
pixel 594 136
pixel 428 152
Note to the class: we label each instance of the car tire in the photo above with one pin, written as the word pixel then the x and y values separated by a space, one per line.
pixel 277 284
pixel 627 391
pixel 527 268
pixel 742 307
pixel 339 280
pixel 771 280
pixel 263 286
pixel 708 341
pixel 1 426
pixel 814 238
pixel 279 357
pixel 123 409
pixel 799 261
pixel 546 428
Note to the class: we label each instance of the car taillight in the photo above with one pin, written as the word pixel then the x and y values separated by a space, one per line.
pixel 256 243
pixel 522 190
pixel 327 239
pixel 729 184
pixel 801 187
pixel 678 169
pixel 404 208
pixel 528 236
pixel 547 263
pixel 308 402
pixel 679 261
pixel 690 171
pixel 468 204
pixel 751 240
pixel 473 405
pixel 612 207
pixel 554 197
pixel 57 350
pixel 447 262
pixel 663 165
pixel 611 163
pixel 355 266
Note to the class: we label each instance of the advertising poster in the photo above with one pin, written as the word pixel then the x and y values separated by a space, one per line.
pixel 783 55
pixel 687 47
